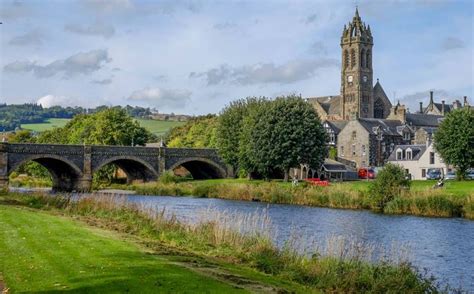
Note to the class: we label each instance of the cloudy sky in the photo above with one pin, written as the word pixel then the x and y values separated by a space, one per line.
pixel 194 57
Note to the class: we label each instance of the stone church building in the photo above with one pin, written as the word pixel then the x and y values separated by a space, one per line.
pixel 361 122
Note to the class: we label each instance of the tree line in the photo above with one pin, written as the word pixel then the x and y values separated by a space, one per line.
pixel 259 137
pixel 12 116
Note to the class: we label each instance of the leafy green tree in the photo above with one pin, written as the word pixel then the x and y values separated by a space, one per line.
pixel 199 132
pixel 388 184
pixel 230 128
pixel 249 163
pixel 21 136
pixel 287 134
pixel 454 140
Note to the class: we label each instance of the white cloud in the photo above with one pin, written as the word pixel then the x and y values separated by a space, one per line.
pixel 262 73
pixel 96 29
pixel 51 100
pixel 108 5
pixel 34 37
pixel 80 63
pixel 170 98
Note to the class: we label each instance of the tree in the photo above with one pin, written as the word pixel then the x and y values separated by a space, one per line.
pixel 454 140
pixel 388 184
pixel 288 133
pixel 230 128
pixel 199 132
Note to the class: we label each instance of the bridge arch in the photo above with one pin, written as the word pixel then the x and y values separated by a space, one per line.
pixel 201 168
pixel 64 173
pixel 134 167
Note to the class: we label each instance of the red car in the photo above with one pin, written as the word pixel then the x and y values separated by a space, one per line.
pixel 365 173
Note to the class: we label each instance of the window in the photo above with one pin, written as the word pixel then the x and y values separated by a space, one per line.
pixel 342 151
pixel 423 173
pixel 406 136
pixel 353 58
pixel 346 59
pixel 383 147
pixel 391 147
pixel 367 59
pixel 409 154
pixel 399 154
pixel 432 158
pixel 332 138
pixel 363 149
pixel 362 58
pixel 353 149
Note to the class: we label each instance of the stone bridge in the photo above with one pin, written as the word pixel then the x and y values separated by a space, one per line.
pixel 73 166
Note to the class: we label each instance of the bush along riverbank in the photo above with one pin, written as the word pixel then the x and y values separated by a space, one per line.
pixel 244 240
pixel 420 200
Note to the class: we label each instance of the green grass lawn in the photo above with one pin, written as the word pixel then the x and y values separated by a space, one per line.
pixel 157 127
pixel 40 252
pixel 50 123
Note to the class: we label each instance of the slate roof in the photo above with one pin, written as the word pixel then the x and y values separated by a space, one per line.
pixel 388 127
pixel 330 104
pixel 423 120
pixel 417 152
pixel 330 165
pixel 429 130
pixel 447 107
pixel 337 125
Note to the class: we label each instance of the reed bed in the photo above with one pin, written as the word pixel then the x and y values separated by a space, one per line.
pixel 428 202
pixel 340 266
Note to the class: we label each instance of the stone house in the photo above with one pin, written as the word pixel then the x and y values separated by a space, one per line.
pixel 368 142
pixel 417 159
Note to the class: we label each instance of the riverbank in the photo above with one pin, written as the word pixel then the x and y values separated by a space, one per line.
pixel 456 199
pixel 215 242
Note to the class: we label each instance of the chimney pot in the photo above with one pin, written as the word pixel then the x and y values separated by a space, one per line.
pixel 431 96
pixel 465 100
pixel 421 107
pixel 442 107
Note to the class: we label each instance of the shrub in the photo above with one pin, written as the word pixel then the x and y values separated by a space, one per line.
pixel 389 184
pixel 168 177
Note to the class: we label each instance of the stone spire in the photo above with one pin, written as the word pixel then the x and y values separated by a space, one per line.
pixel 357 29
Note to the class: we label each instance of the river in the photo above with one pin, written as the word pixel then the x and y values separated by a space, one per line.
pixel 442 246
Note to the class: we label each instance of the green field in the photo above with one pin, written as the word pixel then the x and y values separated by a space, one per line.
pixel 50 123
pixel 157 127
pixel 41 252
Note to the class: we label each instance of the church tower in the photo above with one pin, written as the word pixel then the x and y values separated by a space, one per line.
pixel 356 75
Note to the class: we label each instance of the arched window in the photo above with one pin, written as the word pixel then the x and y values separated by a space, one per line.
pixel 362 58
pixel 368 62
pixel 399 154
pixel 409 154
pixel 379 108
pixel 346 59
pixel 353 58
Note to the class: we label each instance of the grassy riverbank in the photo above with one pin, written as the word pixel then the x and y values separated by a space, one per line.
pixel 49 246
pixel 456 199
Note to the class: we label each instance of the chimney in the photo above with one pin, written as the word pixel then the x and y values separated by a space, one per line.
pixel 465 101
pixel 421 107
pixel 431 97
pixel 442 107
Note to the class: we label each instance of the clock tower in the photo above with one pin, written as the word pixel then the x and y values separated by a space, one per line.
pixel 356 74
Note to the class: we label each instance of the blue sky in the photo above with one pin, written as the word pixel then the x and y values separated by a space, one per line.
pixel 194 57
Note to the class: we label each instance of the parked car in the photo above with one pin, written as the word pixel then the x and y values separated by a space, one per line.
pixel 434 174
pixel 366 173
pixel 451 175
pixel 470 174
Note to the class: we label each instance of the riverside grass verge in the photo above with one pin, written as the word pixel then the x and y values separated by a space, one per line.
pixel 456 199
pixel 345 271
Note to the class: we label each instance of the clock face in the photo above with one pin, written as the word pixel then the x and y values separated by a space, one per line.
pixel 349 79
pixel 364 78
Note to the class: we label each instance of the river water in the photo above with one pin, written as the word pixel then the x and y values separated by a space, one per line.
pixel 444 247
